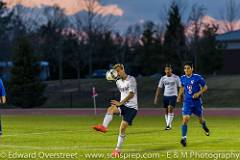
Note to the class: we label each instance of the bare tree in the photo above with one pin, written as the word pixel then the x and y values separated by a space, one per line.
pixel 74 51
pixel 53 31
pixel 93 22
pixel 230 14
pixel 195 25
pixel 195 20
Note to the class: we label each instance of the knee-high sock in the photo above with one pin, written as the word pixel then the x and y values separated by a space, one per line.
pixel 184 131
pixel 120 141
pixel 204 126
pixel 107 119
pixel 166 119
pixel 170 119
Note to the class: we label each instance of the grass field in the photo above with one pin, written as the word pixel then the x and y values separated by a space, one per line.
pixel 57 137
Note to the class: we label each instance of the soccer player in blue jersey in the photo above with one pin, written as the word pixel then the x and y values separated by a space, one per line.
pixel 193 86
pixel 2 100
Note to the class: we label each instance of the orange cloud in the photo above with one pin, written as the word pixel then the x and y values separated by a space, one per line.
pixel 210 20
pixel 70 6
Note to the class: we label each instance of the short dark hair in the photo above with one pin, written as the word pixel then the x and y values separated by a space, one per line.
pixel 168 65
pixel 188 64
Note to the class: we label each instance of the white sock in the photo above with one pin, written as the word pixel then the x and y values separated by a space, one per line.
pixel 107 120
pixel 170 119
pixel 120 141
pixel 166 119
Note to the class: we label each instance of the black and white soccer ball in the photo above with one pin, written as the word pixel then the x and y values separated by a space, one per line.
pixel 112 75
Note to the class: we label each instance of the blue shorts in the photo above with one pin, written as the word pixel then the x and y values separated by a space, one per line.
pixel 169 101
pixel 127 113
pixel 192 107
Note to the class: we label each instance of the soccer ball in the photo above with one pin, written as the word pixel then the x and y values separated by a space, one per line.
pixel 112 75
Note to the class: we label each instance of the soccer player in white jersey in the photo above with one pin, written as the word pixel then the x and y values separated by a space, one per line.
pixel 127 106
pixel 170 82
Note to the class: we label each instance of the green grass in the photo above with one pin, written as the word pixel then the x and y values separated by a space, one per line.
pixel 73 135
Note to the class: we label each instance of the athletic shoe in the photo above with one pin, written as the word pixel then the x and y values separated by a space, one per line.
pixel 100 128
pixel 116 153
pixel 183 142
pixel 207 132
pixel 168 128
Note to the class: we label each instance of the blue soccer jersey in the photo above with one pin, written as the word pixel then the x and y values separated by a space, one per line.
pixel 192 85
pixel 2 90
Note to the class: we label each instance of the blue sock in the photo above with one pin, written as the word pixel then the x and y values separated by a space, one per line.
pixel 204 126
pixel 184 131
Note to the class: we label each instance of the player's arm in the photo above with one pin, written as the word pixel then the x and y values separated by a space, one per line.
pixel 157 94
pixel 158 91
pixel 3 99
pixel 180 94
pixel 202 90
pixel 117 103
pixel 2 93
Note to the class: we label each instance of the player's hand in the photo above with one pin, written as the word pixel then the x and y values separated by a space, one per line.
pixel 117 103
pixel 179 99
pixel 196 95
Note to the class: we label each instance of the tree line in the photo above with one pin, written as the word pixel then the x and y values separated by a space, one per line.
pixel 74 51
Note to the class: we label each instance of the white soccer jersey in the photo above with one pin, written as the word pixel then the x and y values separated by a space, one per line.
pixel 170 85
pixel 126 86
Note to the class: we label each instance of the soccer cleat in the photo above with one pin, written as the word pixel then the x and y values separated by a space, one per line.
pixel 183 142
pixel 207 132
pixel 116 153
pixel 168 128
pixel 100 128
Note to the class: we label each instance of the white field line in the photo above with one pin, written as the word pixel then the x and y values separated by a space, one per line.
pixel 70 131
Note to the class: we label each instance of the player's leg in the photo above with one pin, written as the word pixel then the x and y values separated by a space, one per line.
pixel 121 137
pixel 202 121
pixel 165 105
pixel 107 119
pixel 166 117
pixel 185 120
pixel 128 115
pixel 172 104
pixel 199 113
pixel 170 117
pixel 186 112
pixel 109 115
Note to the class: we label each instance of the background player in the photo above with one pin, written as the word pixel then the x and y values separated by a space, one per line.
pixel 2 100
pixel 127 106
pixel 193 86
pixel 170 82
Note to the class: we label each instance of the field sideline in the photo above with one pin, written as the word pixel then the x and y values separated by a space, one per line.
pixel 49 136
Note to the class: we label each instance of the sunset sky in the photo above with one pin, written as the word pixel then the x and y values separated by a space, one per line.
pixel 128 11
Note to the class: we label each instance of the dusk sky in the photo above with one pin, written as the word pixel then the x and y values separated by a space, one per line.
pixel 129 11
pixel 138 10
